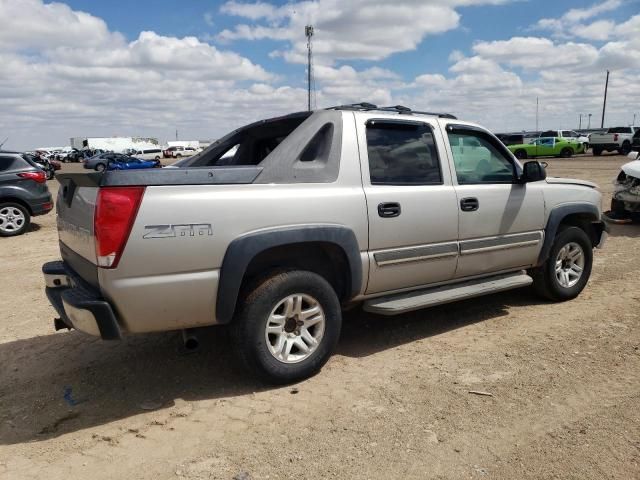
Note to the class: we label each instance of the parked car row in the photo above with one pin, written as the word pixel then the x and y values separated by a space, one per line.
pixel 118 161
pixel 179 152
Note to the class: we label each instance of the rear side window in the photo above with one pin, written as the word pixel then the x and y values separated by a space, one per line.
pixel 402 153
pixel 5 163
pixel 620 130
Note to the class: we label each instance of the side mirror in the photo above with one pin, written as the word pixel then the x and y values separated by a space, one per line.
pixel 533 171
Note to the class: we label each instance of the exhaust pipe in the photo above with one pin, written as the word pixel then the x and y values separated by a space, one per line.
pixel 190 341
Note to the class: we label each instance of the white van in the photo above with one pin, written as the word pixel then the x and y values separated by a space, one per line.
pixel 148 154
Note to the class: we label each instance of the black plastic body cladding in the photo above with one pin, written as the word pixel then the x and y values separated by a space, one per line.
pixel 242 250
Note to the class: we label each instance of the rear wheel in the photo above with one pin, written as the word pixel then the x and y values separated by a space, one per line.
pixel 625 149
pixel 566 152
pixel 566 272
pixel 597 151
pixel 520 154
pixel 14 219
pixel 100 167
pixel 288 326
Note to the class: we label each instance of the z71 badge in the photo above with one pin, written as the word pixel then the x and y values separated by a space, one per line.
pixel 178 230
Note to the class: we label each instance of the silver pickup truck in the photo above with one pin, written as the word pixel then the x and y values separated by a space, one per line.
pixel 615 139
pixel 280 225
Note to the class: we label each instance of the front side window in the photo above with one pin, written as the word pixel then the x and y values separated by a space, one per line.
pixel 477 160
pixel 402 154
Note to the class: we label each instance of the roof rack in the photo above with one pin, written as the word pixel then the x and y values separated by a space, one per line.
pixel 400 109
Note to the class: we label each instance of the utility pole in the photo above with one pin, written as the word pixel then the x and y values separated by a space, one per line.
pixel 176 134
pixel 589 124
pixel 604 104
pixel 580 123
pixel 536 114
pixel 308 31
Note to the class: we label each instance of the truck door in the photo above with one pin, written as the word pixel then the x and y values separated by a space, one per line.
pixel 501 220
pixel 411 203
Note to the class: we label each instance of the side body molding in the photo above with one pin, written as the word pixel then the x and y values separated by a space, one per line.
pixel 555 219
pixel 242 250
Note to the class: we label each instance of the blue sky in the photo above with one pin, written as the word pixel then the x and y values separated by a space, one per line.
pixel 184 18
pixel 145 67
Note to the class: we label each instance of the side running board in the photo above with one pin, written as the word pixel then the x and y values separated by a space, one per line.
pixel 409 301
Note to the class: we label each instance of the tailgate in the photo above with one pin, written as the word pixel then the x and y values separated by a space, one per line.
pixel 75 205
pixel 601 138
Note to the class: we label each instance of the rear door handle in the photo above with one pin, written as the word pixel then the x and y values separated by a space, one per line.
pixel 470 204
pixel 389 209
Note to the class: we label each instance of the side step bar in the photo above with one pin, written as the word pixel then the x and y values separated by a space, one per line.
pixel 410 301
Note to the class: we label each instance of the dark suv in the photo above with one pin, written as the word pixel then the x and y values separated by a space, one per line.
pixel 635 142
pixel 23 193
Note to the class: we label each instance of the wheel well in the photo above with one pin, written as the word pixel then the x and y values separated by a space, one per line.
pixel 18 201
pixel 583 221
pixel 326 259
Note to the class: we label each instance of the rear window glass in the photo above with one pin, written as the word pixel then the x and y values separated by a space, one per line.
pixel 619 130
pixel 27 158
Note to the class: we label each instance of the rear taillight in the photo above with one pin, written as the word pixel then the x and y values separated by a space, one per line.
pixel 116 210
pixel 615 137
pixel 38 177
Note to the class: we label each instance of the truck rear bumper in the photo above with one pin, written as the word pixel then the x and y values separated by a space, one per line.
pixel 79 305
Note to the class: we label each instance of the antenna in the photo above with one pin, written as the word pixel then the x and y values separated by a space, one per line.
pixel 308 32
pixel 5 140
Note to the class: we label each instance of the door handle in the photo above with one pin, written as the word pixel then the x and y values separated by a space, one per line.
pixel 389 209
pixel 470 204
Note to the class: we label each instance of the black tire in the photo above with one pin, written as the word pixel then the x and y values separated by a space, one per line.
pixel 521 154
pixel 256 305
pixel 157 158
pixel 545 281
pixel 100 167
pixel 625 149
pixel 51 174
pixel 566 152
pixel 597 151
pixel 5 230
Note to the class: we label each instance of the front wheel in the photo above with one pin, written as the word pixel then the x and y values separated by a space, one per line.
pixel 288 326
pixel 100 167
pixel 566 272
pixel 50 174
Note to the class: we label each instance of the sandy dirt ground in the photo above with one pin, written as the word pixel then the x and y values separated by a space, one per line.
pixel 393 402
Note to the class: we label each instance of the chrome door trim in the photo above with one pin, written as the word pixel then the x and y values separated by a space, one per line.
pixel 519 240
pixel 416 254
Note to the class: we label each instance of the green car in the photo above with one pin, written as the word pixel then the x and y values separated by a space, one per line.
pixel 547 147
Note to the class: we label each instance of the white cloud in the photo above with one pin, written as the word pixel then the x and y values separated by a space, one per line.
pixel 208 19
pixel 571 24
pixel 357 29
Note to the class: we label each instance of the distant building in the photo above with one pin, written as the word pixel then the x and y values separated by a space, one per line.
pixel 115 144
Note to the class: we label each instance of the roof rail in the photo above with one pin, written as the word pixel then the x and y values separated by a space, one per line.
pixel 400 109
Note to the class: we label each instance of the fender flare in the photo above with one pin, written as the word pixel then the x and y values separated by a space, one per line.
pixel 243 250
pixel 557 215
